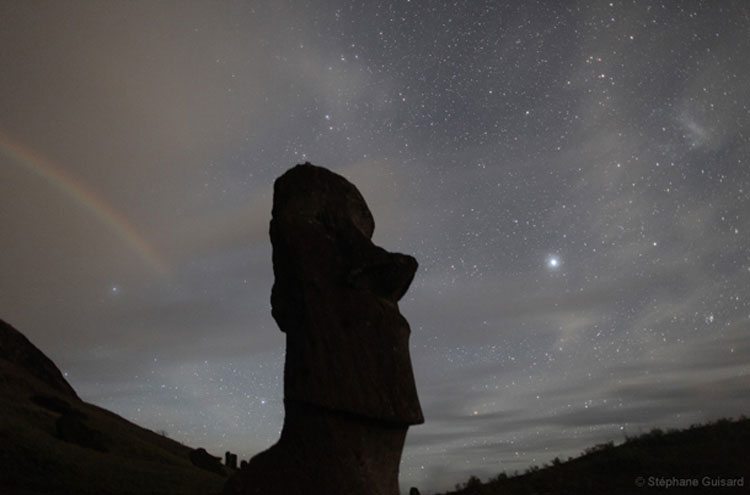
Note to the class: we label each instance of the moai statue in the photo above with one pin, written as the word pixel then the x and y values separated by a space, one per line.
pixel 349 391
pixel 230 460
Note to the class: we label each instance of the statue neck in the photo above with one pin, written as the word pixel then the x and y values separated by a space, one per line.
pixel 359 454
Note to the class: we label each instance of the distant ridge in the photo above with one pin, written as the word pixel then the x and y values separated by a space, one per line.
pixel 53 442
pixel 710 458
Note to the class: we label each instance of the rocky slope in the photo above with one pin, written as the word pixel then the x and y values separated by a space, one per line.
pixel 53 442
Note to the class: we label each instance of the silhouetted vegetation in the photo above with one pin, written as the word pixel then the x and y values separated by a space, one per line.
pixel 709 455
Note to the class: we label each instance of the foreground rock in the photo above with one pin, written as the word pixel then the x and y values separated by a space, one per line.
pixel 349 390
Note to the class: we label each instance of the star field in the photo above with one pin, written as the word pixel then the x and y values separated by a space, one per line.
pixel 572 178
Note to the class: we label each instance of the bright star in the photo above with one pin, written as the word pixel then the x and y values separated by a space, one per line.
pixel 553 262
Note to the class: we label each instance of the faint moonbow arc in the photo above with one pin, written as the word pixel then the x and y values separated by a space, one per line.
pixel 35 163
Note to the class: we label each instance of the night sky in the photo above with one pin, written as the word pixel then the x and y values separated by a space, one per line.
pixel 573 177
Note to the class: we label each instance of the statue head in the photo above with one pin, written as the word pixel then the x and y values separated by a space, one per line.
pixel 335 297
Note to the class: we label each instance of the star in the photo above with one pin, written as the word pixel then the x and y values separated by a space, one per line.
pixel 553 262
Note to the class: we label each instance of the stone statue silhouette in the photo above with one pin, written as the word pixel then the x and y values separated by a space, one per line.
pixel 349 391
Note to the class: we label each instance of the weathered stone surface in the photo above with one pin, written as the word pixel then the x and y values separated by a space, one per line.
pixel 335 296
pixel 349 389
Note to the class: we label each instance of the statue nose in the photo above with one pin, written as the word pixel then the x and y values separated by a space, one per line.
pixel 396 276
pixel 389 278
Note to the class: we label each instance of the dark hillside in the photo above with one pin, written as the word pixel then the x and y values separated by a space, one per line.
pixel 712 458
pixel 53 442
